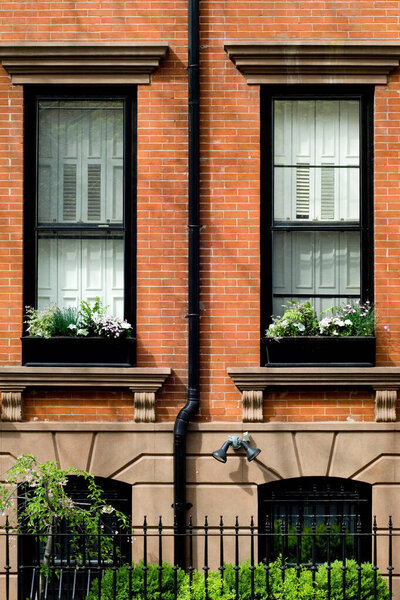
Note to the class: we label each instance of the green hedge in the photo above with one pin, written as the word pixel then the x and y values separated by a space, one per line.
pixel 295 585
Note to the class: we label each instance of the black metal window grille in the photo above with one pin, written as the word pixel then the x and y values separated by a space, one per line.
pixel 315 505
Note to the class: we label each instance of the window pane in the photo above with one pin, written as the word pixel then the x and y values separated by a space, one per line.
pixel 80 171
pixel 322 263
pixel 316 160
pixel 316 193
pixel 71 268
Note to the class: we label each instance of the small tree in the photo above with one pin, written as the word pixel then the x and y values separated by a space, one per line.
pixel 43 504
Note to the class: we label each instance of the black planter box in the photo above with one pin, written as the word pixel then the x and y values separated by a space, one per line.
pixel 348 351
pixel 74 351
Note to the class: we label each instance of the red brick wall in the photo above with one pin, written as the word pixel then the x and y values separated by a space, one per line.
pixel 229 192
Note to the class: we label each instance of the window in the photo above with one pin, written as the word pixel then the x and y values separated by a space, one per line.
pixel 79 198
pixel 316 196
pixel 71 581
pixel 290 508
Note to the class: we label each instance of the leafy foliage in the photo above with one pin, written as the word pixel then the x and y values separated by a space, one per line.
pixel 121 578
pixel 284 582
pixel 40 322
pixel 301 320
pixel 298 320
pixel 63 318
pixel 68 321
pixel 44 506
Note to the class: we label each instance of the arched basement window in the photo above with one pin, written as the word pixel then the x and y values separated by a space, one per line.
pixel 115 493
pixel 296 516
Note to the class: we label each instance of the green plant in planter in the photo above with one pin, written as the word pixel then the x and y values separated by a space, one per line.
pixel 298 320
pixel 73 322
pixel 353 319
pixel 63 319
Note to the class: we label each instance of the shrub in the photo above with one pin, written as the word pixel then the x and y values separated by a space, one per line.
pixel 295 584
pixel 367 581
pixel 217 588
pixel 137 578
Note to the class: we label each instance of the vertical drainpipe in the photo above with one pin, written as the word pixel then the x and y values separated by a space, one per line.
pixel 193 388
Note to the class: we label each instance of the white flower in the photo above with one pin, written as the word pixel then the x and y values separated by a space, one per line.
pixel 82 332
pixel 348 322
pixel 125 325
pixel 71 326
pixel 299 326
pixel 107 509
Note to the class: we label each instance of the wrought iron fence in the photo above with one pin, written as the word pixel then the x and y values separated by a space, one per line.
pixel 226 561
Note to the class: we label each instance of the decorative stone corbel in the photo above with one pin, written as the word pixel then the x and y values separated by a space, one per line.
pixel 385 405
pixel 252 409
pixel 144 407
pixel 11 403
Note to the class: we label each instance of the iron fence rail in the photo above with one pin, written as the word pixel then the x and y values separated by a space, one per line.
pixel 84 566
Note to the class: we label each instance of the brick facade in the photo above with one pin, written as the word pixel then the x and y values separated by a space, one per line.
pixel 230 193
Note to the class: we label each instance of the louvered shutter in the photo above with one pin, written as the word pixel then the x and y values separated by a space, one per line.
pixel 94 192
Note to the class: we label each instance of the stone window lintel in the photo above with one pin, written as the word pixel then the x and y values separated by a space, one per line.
pixel 82 62
pixel 361 61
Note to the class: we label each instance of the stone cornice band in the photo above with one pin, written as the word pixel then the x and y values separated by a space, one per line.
pixel 143 382
pixel 82 62
pixel 253 381
pixel 314 62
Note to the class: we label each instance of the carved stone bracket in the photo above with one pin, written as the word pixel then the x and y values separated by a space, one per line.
pixel 144 407
pixel 144 383
pixel 385 405
pixel 253 381
pixel 252 406
pixel 11 404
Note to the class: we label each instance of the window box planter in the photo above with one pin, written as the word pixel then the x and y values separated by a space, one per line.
pixel 85 351
pixel 320 351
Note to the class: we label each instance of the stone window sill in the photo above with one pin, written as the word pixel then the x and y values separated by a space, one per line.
pixel 253 381
pixel 144 383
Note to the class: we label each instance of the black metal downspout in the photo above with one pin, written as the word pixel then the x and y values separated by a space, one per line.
pixel 193 396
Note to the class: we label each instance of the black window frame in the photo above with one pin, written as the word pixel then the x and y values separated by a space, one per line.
pixel 268 94
pixel 32 95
